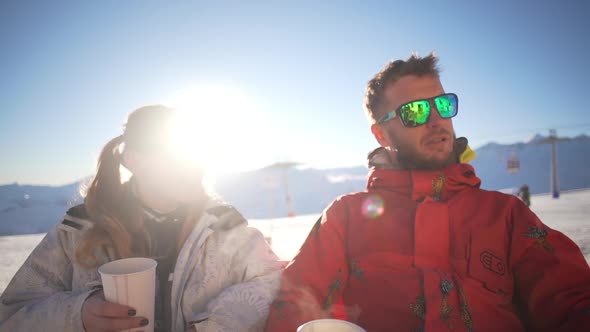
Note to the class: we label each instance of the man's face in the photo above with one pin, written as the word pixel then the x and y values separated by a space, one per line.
pixel 429 146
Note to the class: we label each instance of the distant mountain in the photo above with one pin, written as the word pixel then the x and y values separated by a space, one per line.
pixel 263 193
pixel 276 190
pixel 34 209
pixel 538 138
pixel 573 164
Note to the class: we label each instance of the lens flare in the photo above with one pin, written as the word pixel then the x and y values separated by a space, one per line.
pixel 373 207
pixel 220 128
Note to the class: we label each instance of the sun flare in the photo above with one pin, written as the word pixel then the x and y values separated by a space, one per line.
pixel 219 128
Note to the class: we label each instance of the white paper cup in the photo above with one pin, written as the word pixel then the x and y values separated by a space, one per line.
pixel 131 281
pixel 329 325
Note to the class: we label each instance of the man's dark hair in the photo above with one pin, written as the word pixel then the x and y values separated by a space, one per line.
pixel 394 70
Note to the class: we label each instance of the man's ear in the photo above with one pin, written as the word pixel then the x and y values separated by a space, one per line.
pixel 380 135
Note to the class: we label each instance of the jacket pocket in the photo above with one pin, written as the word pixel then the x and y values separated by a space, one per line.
pixel 487 261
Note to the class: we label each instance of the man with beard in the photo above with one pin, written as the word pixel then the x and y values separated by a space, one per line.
pixel 424 248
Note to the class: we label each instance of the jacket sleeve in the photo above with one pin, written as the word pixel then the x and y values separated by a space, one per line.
pixel 255 271
pixel 39 295
pixel 552 277
pixel 311 285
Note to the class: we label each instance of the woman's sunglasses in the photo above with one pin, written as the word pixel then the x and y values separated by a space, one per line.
pixel 417 112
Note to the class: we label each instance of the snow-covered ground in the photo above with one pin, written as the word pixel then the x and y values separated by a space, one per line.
pixel 569 214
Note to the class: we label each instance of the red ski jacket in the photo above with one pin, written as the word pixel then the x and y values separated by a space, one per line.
pixel 430 251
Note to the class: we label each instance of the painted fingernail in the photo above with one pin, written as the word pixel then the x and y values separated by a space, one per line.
pixel 131 312
pixel 144 322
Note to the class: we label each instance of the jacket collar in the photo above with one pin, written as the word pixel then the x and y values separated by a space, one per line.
pixel 439 185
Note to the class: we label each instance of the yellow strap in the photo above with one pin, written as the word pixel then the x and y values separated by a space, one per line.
pixel 467 155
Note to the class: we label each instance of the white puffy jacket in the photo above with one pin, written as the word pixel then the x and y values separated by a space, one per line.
pixel 225 278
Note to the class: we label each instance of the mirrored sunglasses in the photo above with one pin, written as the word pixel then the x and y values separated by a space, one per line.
pixel 416 113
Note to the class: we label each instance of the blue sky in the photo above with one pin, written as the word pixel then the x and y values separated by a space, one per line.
pixel 71 72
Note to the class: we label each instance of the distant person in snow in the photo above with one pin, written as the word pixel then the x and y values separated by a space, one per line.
pixel 424 248
pixel 525 194
pixel 214 273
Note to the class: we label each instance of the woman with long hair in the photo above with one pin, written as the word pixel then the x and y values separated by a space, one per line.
pixel 214 273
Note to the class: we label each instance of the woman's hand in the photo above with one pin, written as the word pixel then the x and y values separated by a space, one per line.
pixel 98 315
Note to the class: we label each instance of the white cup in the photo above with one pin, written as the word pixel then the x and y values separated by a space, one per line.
pixel 329 325
pixel 132 282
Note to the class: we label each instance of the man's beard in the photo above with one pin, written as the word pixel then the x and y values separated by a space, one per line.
pixel 410 158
